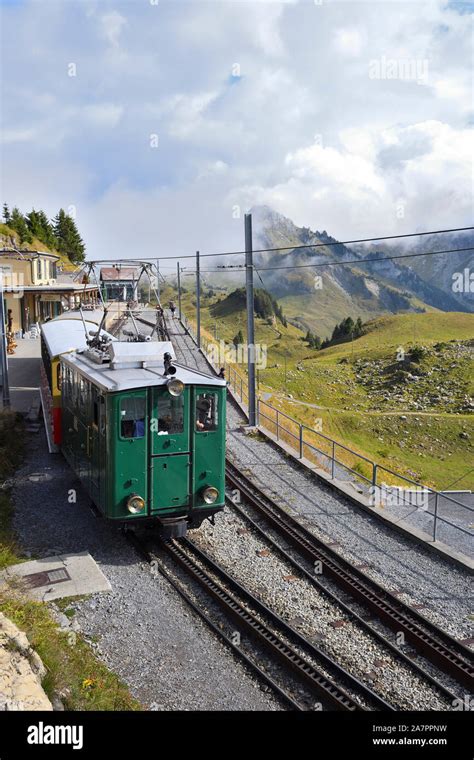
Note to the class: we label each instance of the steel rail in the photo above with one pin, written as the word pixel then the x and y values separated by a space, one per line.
pixel 266 636
pixel 434 643
pixel 253 666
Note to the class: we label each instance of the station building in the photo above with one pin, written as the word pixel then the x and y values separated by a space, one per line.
pixel 35 288
pixel 119 283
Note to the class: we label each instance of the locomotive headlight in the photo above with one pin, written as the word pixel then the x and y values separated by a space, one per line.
pixel 175 386
pixel 135 503
pixel 210 494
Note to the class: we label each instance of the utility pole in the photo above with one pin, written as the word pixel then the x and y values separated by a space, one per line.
pixel 198 300
pixel 158 279
pixel 3 351
pixel 179 291
pixel 250 318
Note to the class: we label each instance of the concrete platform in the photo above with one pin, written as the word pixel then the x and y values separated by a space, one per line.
pixel 55 577
pixel 24 375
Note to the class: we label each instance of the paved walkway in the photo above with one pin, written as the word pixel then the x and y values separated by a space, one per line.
pixel 24 374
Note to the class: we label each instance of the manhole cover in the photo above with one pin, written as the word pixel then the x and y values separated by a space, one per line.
pixel 46 578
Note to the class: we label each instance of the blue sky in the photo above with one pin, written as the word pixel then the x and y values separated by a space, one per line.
pixel 351 117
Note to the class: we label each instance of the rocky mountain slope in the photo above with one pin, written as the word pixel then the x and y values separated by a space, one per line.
pixel 318 296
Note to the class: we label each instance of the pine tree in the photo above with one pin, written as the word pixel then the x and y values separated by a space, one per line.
pixel 18 223
pixel 47 232
pixel 40 227
pixel 68 240
pixel 6 214
pixel 238 339
pixel 33 223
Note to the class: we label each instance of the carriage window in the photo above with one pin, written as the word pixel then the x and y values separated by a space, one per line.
pixel 83 400
pixel 102 416
pixel 132 417
pixel 64 383
pixel 75 390
pixel 206 411
pixel 170 414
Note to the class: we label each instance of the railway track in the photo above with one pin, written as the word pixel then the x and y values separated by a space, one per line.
pixel 431 641
pixel 296 656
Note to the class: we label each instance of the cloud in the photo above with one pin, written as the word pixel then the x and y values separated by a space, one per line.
pixel 102 114
pixel 349 41
pixel 339 189
pixel 111 27
pixel 307 130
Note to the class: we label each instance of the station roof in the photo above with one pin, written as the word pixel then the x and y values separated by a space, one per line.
pixel 25 254
pixel 111 274
pixel 60 287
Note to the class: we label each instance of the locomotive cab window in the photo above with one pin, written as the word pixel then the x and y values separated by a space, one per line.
pixel 132 417
pixel 206 412
pixel 170 414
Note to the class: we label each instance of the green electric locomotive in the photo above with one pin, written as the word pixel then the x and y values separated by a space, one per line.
pixel 145 435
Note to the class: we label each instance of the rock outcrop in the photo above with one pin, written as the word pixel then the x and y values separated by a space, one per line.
pixel 21 671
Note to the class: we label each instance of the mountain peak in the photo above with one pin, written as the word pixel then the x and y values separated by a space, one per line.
pixel 270 226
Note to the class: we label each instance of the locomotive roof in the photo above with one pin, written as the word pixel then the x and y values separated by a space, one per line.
pixel 90 315
pixel 62 336
pixel 135 365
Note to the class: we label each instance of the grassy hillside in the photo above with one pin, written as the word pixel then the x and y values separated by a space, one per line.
pixel 415 417
pixel 9 237
pixel 407 415
pixel 319 312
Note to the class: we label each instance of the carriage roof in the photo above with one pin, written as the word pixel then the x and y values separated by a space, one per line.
pixel 135 365
pixel 63 335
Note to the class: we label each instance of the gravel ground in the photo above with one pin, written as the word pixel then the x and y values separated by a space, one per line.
pixel 141 629
pixel 247 557
pixel 397 562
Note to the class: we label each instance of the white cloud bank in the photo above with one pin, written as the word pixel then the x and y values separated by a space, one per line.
pixel 304 126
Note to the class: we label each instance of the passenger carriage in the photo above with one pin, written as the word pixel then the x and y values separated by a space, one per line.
pixel 146 436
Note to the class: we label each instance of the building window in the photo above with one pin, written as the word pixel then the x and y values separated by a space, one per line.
pixel 132 417
pixel 170 414
pixel 206 412
pixel 38 268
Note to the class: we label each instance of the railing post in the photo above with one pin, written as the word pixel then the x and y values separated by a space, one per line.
pixel 301 441
pixel 333 462
pixel 278 432
pixel 435 521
